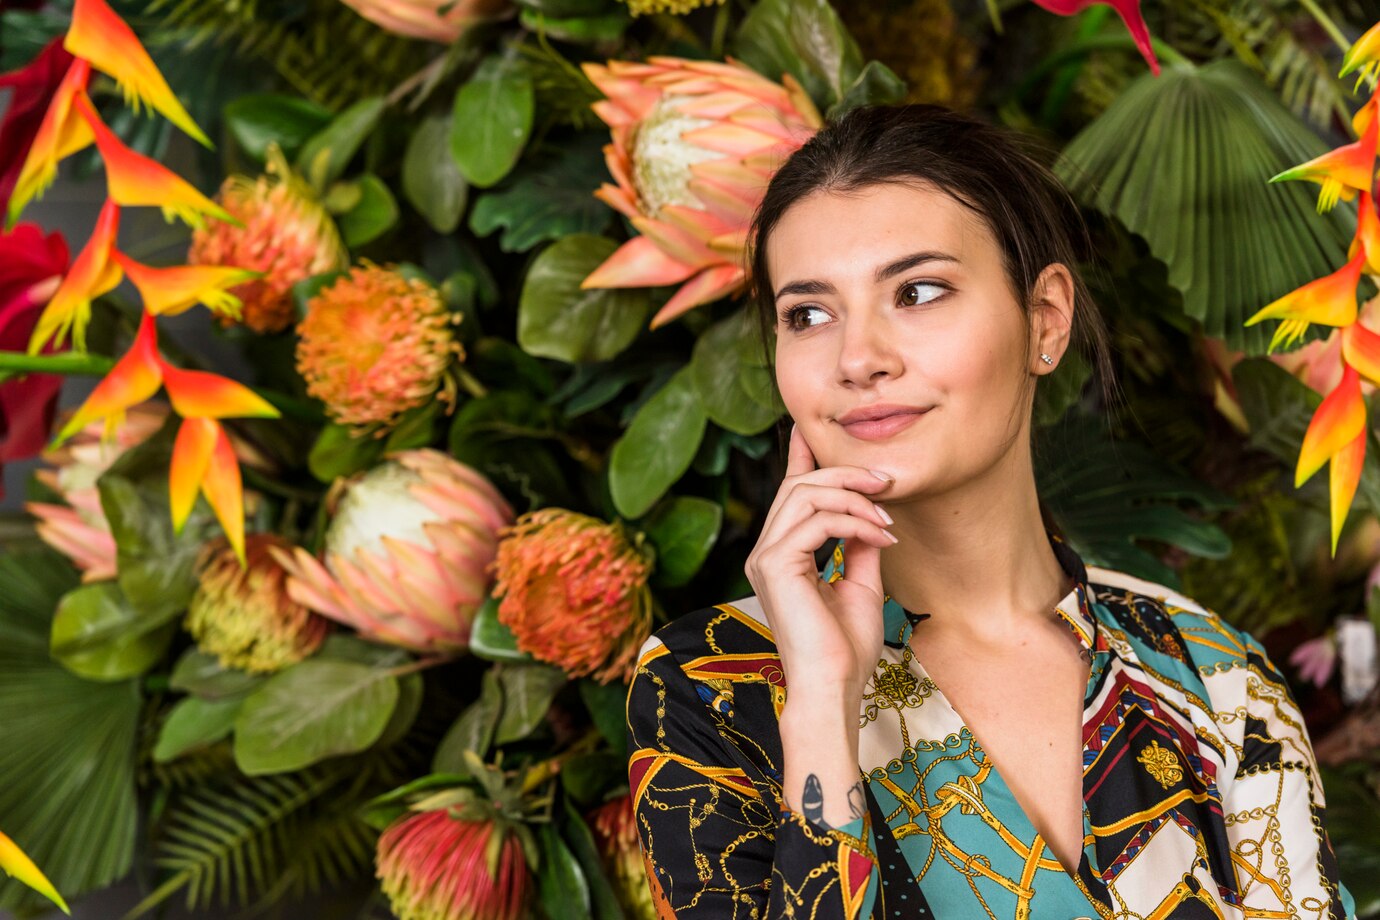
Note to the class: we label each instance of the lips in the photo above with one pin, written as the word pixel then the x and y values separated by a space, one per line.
pixel 880 411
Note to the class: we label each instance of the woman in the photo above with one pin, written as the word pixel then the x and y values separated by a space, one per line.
pixel 954 717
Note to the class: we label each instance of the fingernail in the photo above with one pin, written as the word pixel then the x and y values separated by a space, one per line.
pixel 894 538
pixel 882 511
pixel 880 475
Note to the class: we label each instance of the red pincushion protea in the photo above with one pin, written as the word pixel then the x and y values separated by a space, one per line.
pixel 286 234
pixel 436 866
pixel 574 592
pixel 374 345
pixel 614 827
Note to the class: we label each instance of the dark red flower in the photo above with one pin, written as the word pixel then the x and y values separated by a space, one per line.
pixel 31 266
pixel 31 89
pixel 1128 10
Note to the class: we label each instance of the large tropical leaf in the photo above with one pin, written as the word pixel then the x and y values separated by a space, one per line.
pixel 1183 159
pixel 67 758
pixel 1106 494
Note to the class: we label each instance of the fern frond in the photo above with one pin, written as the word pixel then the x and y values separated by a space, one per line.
pixel 321 48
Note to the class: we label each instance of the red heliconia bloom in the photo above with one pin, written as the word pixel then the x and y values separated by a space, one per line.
pixel 435 866
pixel 33 88
pixel 1128 10
pixel 31 268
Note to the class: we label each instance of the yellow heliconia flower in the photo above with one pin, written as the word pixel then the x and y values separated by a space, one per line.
pixel 61 133
pixel 15 863
pixel 1330 300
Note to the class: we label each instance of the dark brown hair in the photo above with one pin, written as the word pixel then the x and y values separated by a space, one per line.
pixel 996 172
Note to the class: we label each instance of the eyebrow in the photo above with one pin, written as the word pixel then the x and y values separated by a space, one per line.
pixel 890 270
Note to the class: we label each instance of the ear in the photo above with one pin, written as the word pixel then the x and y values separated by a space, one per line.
pixel 1051 316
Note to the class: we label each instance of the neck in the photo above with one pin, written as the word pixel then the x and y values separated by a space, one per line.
pixel 979 563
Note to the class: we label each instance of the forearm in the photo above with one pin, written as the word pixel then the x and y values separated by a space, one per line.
pixel 819 742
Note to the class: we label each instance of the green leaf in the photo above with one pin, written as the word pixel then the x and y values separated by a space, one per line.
pixel 804 38
pixel 325 155
pixel 259 119
pixel 156 566
pixel 473 731
pixel 491 639
pixel 69 749
pixel 311 711
pixel 556 319
pixel 527 694
pixel 1106 494
pixel 372 215
pixel 657 447
pixel 416 427
pixel 603 899
pixel 1183 160
pixel 195 723
pixel 586 777
pixel 607 705
pixel 338 453
pixel 430 179
pixel 736 394
pixel 98 635
pixel 505 436
pixel 202 675
pixel 549 197
pixel 683 530
pixel 581 29
pixel 877 84
pixel 561 883
pixel 492 119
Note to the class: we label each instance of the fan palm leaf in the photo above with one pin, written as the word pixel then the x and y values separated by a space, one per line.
pixel 1183 160
pixel 67 762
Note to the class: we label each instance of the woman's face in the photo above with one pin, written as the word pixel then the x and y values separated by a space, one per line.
pixel 897 294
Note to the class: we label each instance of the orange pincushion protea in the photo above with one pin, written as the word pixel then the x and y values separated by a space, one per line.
pixel 375 344
pixel 694 145
pixel 438 866
pixel 244 616
pixel 286 235
pixel 614 828
pixel 574 592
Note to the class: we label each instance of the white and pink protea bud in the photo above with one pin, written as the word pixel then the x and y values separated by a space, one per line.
pixel 78 529
pixel 406 553
pixel 433 20
pixel 694 145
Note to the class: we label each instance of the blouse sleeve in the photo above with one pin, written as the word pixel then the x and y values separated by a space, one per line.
pixel 714 848
pixel 1274 806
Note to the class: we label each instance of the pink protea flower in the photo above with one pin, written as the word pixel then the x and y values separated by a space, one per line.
pixel 79 529
pixel 574 592
pixel 433 20
pixel 1316 658
pixel 375 344
pixel 436 865
pixel 286 234
pixel 407 553
pixel 694 145
pixel 243 615
pixel 614 828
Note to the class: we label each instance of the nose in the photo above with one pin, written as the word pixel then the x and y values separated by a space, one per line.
pixel 867 348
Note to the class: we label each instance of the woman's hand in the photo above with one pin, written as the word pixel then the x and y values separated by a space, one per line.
pixel 828 635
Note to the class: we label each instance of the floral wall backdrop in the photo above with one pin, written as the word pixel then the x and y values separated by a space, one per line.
pixel 407 381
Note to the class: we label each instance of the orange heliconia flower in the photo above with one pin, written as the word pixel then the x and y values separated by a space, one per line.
pixel 203 458
pixel 1330 300
pixel 1346 170
pixel 61 133
pixel 178 288
pixel 100 37
pixel 1364 54
pixel 133 179
pixel 94 273
pixel 1336 433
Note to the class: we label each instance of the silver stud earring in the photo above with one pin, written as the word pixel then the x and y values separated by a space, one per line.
pixel 1046 358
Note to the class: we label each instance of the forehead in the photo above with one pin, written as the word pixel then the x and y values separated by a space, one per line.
pixel 830 231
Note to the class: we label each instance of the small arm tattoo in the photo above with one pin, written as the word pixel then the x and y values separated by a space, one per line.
pixel 812 801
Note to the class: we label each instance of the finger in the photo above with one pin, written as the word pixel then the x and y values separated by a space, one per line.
pixel 862 564
pixel 808 498
pixel 799 458
pixel 794 552
pixel 851 478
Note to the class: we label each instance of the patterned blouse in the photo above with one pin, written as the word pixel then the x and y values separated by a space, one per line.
pixel 1200 789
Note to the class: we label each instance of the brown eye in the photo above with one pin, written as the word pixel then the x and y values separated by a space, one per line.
pixel 915 293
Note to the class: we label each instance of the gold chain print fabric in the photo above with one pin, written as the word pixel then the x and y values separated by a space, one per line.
pixel 1201 792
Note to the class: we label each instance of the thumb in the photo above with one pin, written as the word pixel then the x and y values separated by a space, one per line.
pixel 862 565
